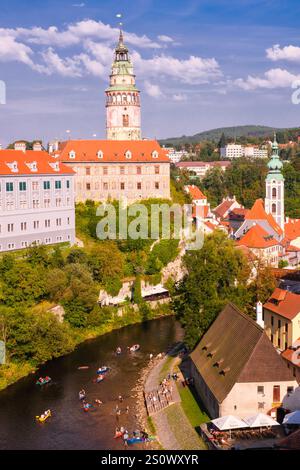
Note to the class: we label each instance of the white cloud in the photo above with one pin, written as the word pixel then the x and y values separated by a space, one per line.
pixel 193 71
pixel 69 67
pixel 153 90
pixel 78 5
pixel 164 38
pixel 273 78
pixel 75 33
pixel 289 53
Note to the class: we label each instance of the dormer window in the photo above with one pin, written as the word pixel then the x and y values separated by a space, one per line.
pixel 100 154
pixel 32 166
pixel 155 154
pixel 72 154
pixel 128 154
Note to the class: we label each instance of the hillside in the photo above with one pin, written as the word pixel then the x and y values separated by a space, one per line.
pixel 231 132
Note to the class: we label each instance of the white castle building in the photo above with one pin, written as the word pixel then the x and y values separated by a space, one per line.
pixel 36 199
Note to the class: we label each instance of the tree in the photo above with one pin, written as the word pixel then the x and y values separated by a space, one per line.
pixel 217 274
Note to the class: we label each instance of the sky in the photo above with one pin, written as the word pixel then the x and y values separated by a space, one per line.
pixel 200 64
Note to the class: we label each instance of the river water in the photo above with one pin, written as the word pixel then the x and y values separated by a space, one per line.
pixel 70 427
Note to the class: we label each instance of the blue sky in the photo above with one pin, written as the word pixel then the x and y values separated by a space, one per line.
pixel 200 64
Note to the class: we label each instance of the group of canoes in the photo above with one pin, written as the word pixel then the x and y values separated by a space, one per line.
pixel 43 380
pixel 134 348
pixel 138 437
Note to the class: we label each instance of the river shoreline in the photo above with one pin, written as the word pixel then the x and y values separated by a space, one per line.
pixel 16 371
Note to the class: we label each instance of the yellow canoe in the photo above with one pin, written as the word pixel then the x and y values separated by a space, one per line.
pixel 43 417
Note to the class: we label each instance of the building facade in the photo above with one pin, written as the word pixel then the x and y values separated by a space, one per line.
pixel 233 151
pixel 123 110
pixel 36 200
pixel 239 373
pixel 104 169
pixel 201 168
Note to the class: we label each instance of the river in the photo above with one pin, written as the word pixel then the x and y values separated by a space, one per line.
pixel 70 427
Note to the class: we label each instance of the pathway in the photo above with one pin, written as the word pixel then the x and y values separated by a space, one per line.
pixel 172 426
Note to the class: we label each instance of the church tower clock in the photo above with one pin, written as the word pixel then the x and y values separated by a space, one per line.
pixel 123 110
pixel 274 202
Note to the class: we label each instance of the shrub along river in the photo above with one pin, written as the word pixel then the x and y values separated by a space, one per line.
pixel 70 427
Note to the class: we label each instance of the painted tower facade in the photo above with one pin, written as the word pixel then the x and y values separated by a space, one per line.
pixel 274 202
pixel 123 110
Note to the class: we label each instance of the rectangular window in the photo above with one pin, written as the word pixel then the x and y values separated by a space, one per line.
pixel 47 223
pixel 105 186
pixel 88 186
pixel 138 170
pixel 35 186
pixel 279 323
pixel 156 170
pixel 10 228
pixel 57 184
pixel 9 187
pixel 22 186
pixel 58 222
pixel 156 185
pixel 23 226
pixel 36 204
pixel 105 170
pixel 88 171
pixel 122 170
pixel 46 202
pixel 260 390
pixel 58 202
pixel 68 184
pixel 46 185
pixel 36 224
pixel 290 390
pixel 272 320
pixel 276 394
pixel 139 185
pixel 122 186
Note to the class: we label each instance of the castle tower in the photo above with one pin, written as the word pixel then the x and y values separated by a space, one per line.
pixel 123 111
pixel 274 202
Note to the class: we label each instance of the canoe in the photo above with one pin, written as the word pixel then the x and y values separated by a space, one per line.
pixel 42 418
pixel 102 370
pixel 83 367
pixel 82 396
pixel 44 381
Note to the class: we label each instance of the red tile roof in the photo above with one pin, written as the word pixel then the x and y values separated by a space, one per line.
pixel 284 303
pixel 292 229
pixel 257 237
pixel 195 192
pixel 44 163
pixel 289 353
pixel 113 151
pixel 257 212
pixel 224 207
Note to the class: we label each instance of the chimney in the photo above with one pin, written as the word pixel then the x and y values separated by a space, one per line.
pixel 37 147
pixel 53 146
pixel 21 146
pixel 259 314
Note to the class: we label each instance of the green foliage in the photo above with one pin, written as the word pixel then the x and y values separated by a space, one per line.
pixel 283 264
pixel 162 254
pixel 217 274
pixel 137 291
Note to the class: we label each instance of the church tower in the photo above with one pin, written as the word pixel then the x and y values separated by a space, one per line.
pixel 123 111
pixel 274 202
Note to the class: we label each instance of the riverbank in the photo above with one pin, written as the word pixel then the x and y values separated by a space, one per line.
pixel 173 427
pixel 12 372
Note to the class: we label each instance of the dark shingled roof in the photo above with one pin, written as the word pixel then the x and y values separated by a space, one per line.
pixel 247 353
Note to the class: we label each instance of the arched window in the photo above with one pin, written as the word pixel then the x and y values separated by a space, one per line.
pixel 274 192
pixel 273 208
pixel 72 154
pixel 125 120
pixel 100 154
pixel 128 154
pixel 155 154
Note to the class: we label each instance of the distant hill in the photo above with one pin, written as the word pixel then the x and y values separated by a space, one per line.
pixel 230 132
